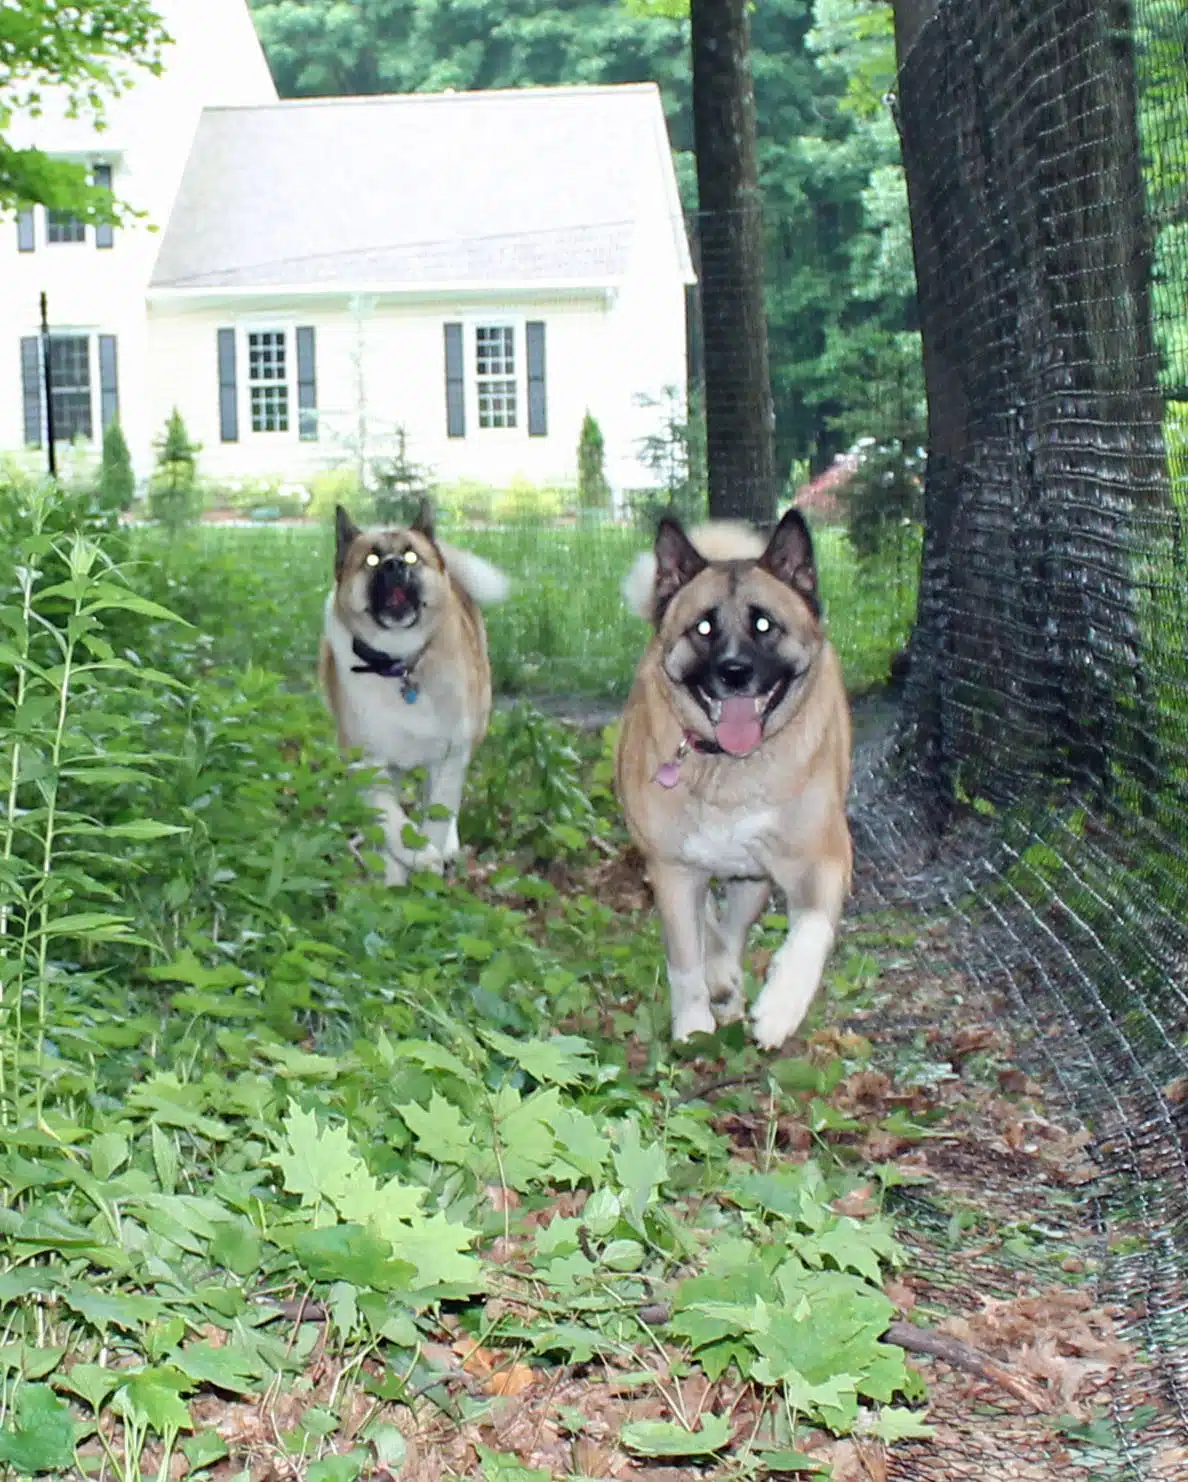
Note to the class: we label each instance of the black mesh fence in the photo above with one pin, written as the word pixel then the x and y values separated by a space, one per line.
pixel 1029 810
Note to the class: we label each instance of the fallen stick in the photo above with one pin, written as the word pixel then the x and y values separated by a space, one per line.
pixel 908 1336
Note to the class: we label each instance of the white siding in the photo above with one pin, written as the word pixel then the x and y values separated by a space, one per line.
pixel 382 364
pixel 216 59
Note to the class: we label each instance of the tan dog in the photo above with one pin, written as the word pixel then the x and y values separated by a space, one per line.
pixel 405 672
pixel 733 765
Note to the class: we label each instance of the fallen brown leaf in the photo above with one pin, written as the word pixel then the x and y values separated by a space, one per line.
pixel 491 1369
pixel 858 1203
pixel 903 1296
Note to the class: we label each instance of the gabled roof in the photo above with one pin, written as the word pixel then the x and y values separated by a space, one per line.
pixel 534 187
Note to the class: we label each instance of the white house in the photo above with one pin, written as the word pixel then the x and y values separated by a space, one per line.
pixel 479 269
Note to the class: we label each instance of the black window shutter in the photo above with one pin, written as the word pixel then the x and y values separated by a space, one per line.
pixel 455 382
pixel 109 380
pixel 307 385
pixel 104 231
pixel 538 412
pixel 31 389
pixel 228 401
pixel 26 232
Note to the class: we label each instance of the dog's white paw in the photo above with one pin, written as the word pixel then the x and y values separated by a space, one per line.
pixel 694 1018
pixel 726 997
pixel 452 846
pixel 792 981
pixel 398 869
pixel 773 1021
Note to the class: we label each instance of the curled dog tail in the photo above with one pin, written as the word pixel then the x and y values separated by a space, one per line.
pixel 482 581
pixel 717 540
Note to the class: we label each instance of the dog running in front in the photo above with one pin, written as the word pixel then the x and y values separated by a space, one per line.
pixel 733 765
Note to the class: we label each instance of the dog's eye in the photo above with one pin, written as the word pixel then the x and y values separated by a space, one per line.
pixel 410 558
pixel 762 623
pixel 705 627
pixel 373 558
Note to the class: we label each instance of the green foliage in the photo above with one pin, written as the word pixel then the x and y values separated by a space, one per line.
pixel 675 453
pixel 239 1075
pixel 529 790
pixel 175 498
pixel 88 50
pixel 593 490
pixel 399 484
pixel 117 482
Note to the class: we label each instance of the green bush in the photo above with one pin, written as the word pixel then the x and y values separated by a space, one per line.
pixel 175 498
pixel 401 485
pixel 117 482
pixel 593 488
pixel 884 496
pixel 330 487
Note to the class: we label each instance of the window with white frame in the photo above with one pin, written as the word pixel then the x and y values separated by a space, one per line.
pixel 268 380
pixel 70 379
pixel 61 226
pixel 495 374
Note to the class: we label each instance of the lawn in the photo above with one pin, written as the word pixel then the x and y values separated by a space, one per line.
pixel 258 593
pixel 304 1177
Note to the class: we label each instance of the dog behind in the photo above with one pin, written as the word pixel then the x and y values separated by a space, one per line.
pixel 733 764
pixel 405 672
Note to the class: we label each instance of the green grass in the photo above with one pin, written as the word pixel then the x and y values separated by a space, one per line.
pixel 257 595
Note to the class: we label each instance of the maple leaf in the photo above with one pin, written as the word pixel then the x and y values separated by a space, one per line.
pixel 528 1147
pixel 561 1060
pixel 317 1163
pixel 854 1245
pixel 641 1169
pixel 442 1134
pixel 438 1250
pixel 582 1149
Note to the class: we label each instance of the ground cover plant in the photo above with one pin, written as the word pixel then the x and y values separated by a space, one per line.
pixel 301 1176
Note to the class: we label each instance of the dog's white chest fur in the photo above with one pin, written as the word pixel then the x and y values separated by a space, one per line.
pixel 388 727
pixel 730 844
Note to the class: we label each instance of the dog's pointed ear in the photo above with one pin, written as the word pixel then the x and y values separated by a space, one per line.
pixel 789 558
pixel 677 561
pixel 424 519
pixel 345 530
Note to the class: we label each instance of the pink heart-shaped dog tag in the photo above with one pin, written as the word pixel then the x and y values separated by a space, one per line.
pixel 668 775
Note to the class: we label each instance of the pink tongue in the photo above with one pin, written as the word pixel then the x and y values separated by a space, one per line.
pixel 739 728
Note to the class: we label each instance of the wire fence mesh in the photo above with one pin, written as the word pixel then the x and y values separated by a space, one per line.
pixel 1033 794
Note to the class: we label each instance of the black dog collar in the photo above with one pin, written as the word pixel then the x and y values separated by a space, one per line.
pixel 375 661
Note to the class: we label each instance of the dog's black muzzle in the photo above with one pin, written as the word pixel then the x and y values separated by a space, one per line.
pixel 740 672
pixel 395 593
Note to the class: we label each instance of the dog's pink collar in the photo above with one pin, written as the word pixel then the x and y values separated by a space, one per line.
pixel 669 773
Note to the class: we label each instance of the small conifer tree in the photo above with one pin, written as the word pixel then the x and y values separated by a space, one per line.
pixel 593 488
pixel 174 496
pixel 117 482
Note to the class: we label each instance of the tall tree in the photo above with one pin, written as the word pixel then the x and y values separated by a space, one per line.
pixel 740 417
pixel 85 49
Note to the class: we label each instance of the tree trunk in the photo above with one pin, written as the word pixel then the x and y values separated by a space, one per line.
pixel 1033 255
pixel 740 417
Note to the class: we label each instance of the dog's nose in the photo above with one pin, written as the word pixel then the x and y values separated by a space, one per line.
pixel 735 674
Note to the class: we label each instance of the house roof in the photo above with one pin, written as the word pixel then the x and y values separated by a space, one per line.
pixel 531 187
